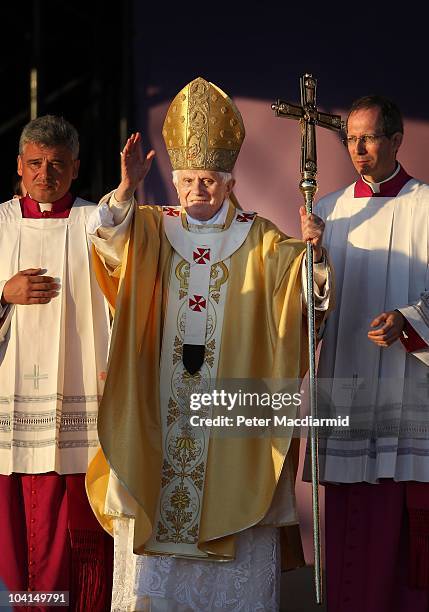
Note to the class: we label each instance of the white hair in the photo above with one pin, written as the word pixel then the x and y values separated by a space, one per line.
pixel 224 176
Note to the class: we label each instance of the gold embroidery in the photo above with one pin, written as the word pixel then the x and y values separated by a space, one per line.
pixel 210 325
pixel 197 476
pixel 173 411
pixel 194 532
pixel 218 268
pixel 203 128
pixel 161 529
pixel 209 353
pixel 177 350
pixel 168 473
pixel 180 498
pixel 182 273
pixel 186 447
pixel 180 507
pixel 218 273
pixel 185 384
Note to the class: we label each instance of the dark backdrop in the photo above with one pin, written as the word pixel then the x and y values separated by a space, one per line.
pixel 105 65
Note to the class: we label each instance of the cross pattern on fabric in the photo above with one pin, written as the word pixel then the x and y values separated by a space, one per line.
pixel 185 448
pixel 201 255
pixel 353 386
pixel 36 376
pixel 171 211
pixel 245 217
pixel 197 303
pixel 203 250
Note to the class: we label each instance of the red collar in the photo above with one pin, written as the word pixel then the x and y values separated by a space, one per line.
pixel 389 189
pixel 60 209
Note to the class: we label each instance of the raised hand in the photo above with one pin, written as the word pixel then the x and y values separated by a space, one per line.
pixel 134 167
pixel 29 287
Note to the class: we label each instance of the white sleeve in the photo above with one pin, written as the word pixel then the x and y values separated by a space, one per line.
pixel 417 316
pixel 108 228
pixel 6 313
pixel 2 308
pixel 321 283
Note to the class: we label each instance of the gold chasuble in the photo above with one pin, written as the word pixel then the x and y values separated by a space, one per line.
pixel 255 296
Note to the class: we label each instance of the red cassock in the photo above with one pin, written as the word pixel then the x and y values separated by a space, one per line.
pixel 50 539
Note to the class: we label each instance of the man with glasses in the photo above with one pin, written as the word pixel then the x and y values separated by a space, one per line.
pixel 377 499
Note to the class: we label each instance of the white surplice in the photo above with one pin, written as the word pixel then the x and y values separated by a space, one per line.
pixel 379 250
pixel 52 356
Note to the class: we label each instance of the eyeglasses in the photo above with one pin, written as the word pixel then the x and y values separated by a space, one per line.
pixel 366 139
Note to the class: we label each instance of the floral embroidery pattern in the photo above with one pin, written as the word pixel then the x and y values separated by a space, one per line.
pixel 185 447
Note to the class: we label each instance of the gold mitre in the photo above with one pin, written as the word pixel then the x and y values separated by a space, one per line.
pixel 203 129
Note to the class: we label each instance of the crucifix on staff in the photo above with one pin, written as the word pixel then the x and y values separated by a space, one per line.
pixel 309 116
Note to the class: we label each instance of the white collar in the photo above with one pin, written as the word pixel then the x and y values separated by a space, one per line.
pixel 42 205
pixel 45 206
pixel 376 186
pixel 218 219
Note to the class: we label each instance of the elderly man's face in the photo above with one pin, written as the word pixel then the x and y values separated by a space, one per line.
pixel 47 172
pixel 202 192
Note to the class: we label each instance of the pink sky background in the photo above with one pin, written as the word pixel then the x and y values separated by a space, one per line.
pixel 267 170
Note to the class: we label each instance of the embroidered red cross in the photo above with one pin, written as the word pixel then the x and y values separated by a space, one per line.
pixel 201 256
pixel 245 217
pixel 170 211
pixel 197 303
